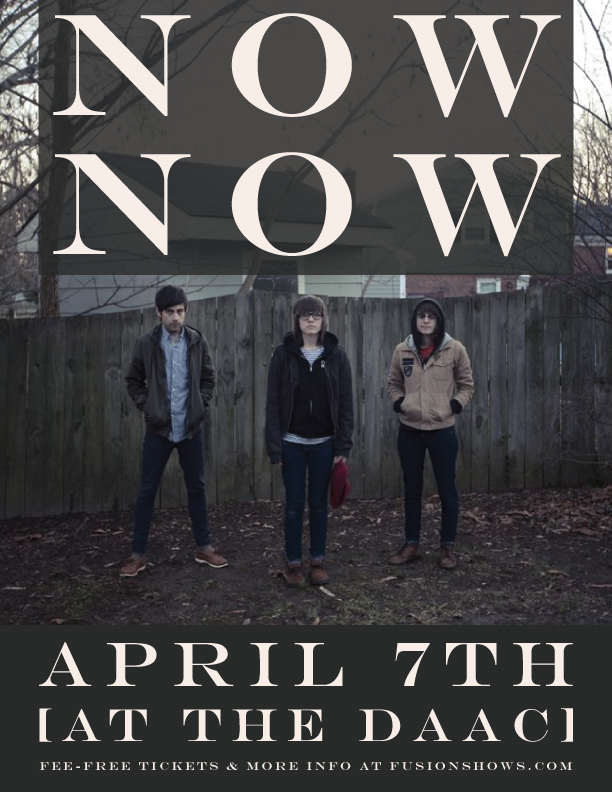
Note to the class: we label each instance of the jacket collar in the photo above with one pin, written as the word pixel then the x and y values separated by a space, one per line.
pixel 192 336
pixel 412 346
pixel 330 342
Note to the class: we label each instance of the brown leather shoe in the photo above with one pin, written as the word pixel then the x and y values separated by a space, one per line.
pixel 318 575
pixel 293 574
pixel 405 555
pixel 133 566
pixel 210 557
pixel 448 559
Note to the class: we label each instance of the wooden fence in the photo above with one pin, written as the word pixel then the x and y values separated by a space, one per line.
pixel 541 415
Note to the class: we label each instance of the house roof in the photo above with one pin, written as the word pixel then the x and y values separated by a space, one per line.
pixel 593 220
pixel 203 190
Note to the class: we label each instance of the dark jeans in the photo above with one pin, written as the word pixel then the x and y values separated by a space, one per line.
pixel 442 446
pixel 317 461
pixel 156 452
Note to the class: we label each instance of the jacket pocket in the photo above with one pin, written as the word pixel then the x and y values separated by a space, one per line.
pixel 154 421
pixel 411 407
pixel 440 408
pixel 443 370
pixel 153 418
pixel 198 413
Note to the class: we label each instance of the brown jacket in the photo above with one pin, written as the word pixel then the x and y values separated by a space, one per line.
pixel 426 390
pixel 146 380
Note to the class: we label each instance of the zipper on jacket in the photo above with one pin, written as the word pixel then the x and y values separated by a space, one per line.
pixel 293 390
pixel 330 395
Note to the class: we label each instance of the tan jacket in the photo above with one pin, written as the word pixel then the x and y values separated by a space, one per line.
pixel 427 390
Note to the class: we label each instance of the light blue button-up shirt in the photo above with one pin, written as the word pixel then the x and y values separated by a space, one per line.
pixel 177 383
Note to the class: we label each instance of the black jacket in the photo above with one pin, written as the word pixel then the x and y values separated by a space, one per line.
pixel 146 380
pixel 283 379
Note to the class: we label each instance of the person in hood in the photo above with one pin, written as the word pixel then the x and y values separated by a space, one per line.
pixel 309 425
pixel 171 380
pixel 429 383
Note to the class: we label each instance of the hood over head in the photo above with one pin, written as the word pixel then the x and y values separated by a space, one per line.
pixel 429 305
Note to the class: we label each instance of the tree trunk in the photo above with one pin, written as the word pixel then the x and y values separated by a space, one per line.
pixel 48 295
pixel 58 138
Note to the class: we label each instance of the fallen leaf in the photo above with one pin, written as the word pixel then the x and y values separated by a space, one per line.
pixel 317 621
pixel 387 579
pixel 586 531
pixel 326 591
pixel 246 621
pixel 58 621
pixel 558 572
pixel 471 516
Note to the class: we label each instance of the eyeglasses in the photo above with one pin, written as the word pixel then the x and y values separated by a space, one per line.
pixel 313 314
pixel 427 316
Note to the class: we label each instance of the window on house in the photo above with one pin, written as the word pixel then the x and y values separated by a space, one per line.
pixel 609 261
pixel 488 285
pixel 476 228
pixel 276 283
pixel 522 282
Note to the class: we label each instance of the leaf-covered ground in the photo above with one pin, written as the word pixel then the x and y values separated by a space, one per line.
pixel 530 557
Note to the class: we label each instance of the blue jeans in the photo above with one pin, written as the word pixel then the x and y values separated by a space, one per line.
pixel 156 452
pixel 298 460
pixel 443 447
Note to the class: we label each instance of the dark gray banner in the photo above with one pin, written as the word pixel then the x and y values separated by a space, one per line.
pixel 409 93
pixel 229 705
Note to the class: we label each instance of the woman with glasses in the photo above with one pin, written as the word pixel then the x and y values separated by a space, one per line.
pixel 309 424
pixel 430 381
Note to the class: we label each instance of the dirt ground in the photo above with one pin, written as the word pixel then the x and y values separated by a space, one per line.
pixel 532 557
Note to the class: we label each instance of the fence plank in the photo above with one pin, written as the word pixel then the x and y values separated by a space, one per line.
pixel 398 331
pixel 244 398
pixel 225 449
pixel 262 345
pixel 74 418
pixel 550 450
pixel 396 325
pixel 93 415
pixel 375 397
pixel 577 385
pixel 5 375
pixel 534 387
pixel 54 417
pixel 132 420
pixel 516 390
pixel 203 316
pixel 38 357
pixel 16 415
pixel 603 385
pixel 354 351
pixel 462 331
pixel 480 403
pixel 282 322
pixel 113 387
pixel 498 394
